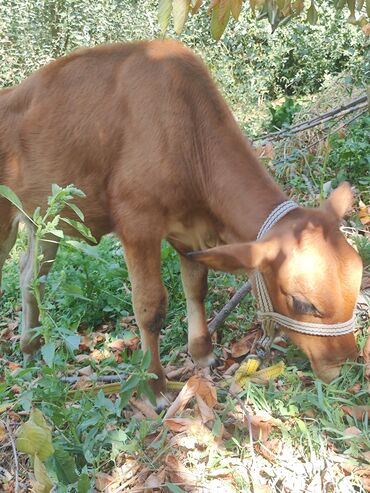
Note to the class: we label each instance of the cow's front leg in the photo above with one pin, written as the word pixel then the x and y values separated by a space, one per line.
pixel 194 280
pixel 149 298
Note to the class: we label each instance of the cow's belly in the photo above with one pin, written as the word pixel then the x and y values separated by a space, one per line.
pixel 200 235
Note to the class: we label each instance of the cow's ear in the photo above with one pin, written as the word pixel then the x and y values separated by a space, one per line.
pixel 240 256
pixel 339 201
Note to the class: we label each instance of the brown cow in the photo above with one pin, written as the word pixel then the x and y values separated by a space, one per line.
pixel 143 131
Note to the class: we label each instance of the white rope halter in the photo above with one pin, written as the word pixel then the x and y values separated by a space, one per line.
pixel 266 313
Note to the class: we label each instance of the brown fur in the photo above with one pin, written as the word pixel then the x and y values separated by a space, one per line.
pixel 143 131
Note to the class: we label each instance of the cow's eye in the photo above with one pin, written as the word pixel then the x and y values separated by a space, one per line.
pixel 303 307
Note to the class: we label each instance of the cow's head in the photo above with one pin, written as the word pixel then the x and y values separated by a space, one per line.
pixel 311 272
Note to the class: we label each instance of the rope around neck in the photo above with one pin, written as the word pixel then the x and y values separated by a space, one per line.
pixel 266 313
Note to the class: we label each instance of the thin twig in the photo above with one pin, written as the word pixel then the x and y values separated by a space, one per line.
pixel 15 455
pixel 354 105
pixel 333 130
pixel 229 307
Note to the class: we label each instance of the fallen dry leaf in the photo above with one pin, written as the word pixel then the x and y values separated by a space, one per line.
pixel 3 433
pixel 261 424
pixel 80 358
pixel 196 385
pixel 205 411
pixel 178 473
pixel 355 389
pixel 353 434
pixel 131 343
pixel 364 213
pixel 179 424
pixel 242 347
pixel 98 355
pixel 86 371
pixel 366 29
pixel 105 482
pixel 193 428
pixel 357 412
pixel 144 408
pixel 155 481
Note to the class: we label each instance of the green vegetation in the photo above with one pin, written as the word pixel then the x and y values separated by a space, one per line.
pixel 270 80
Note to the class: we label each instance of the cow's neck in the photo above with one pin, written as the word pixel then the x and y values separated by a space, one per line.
pixel 243 194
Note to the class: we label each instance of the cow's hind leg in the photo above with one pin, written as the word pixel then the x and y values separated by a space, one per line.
pixel 30 310
pixel 149 299
pixel 194 280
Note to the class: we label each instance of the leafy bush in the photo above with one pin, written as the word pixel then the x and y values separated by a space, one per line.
pixel 349 158
pixel 282 115
pixel 250 63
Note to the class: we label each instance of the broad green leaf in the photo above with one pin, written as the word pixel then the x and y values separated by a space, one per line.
pixel 218 26
pixel 81 228
pixel 368 7
pixel 180 14
pixel 48 353
pixel 43 483
pixel 65 466
pixel 164 13
pixel 83 485
pixel 312 15
pixel 236 7
pixel 77 210
pixel 131 383
pixel 72 342
pixel 75 292
pixel 7 193
pixel 34 437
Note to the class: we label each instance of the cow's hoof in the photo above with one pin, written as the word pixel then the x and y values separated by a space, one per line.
pixel 207 361
pixel 161 404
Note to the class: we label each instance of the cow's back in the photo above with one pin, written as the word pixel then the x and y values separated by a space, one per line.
pixel 132 125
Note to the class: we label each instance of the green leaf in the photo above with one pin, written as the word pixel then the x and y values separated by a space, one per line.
pixel 218 25
pixel 180 14
pixel 65 466
pixel 43 483
pixel 368 7
pixel 164 13
pixel 131 383
pixel 77 210
pixel 7 193
pixel 83 485
pixel 174 488
pixel 312 15
pixel 72 342
pixel 48 353
pixel 34 436
pixel 81 228
pixel 147 358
